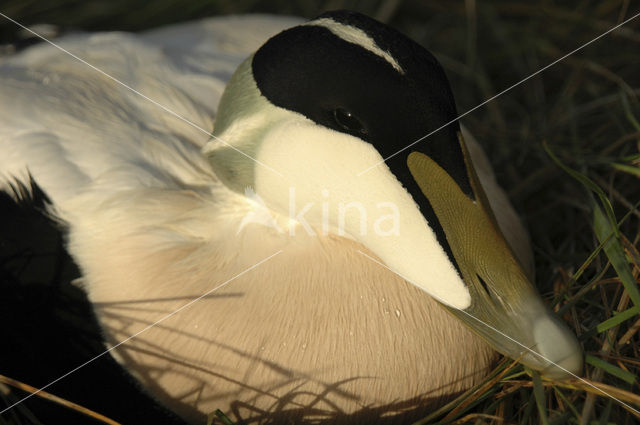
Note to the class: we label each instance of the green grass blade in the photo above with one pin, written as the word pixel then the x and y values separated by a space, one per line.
pixel 618 318
pixel 567 402
pixel 630 158
pixel 604 417
pixel 635 171
pixel 629 113
pixel 221 416
pixel 615 253
pixel 538 392
pixel 625 375
pixel 588 183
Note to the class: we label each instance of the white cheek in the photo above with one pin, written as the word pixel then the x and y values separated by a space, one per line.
pixel 321 186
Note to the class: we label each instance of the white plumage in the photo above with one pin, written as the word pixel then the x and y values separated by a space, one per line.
pixel 58 112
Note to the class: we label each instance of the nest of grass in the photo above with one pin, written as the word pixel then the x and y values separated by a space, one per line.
pixel 565 144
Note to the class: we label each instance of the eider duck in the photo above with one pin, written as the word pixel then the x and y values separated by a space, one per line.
pixel 261 224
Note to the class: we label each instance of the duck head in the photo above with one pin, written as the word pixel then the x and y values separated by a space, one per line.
pixel 323 113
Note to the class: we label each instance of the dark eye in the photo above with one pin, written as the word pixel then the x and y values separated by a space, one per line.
pixel 348 122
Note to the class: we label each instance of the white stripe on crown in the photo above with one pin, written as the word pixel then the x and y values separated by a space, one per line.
pixel 356 36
